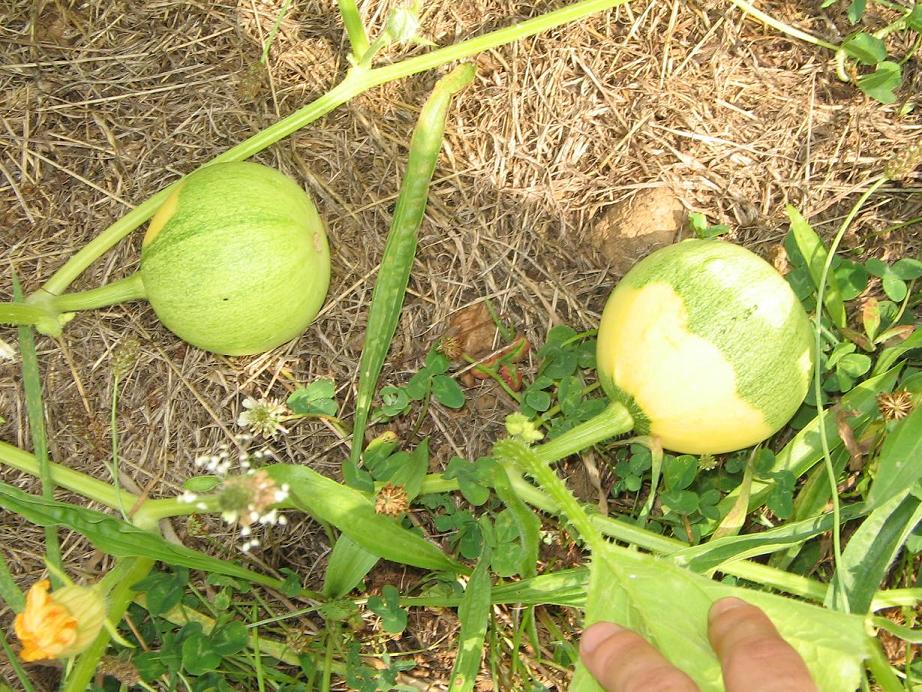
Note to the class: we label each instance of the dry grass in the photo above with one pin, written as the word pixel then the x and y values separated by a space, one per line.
pixel 101 104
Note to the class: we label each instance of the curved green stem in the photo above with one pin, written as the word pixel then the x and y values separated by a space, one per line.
pixel 749 8
pixel 357 81
pixel 842 601
pixel 613 421
pixel 119 291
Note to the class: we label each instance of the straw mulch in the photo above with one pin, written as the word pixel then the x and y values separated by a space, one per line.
pixel 101 104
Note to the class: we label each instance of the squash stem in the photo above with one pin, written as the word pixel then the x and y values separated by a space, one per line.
pixel 119 291
pixel 66 478
pixel 613 421
pixel 20 313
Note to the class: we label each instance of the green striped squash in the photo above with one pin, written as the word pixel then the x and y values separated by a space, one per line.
pixel 707 345
pixel 236 260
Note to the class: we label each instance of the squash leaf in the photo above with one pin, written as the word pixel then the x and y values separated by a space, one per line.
pixel 833 644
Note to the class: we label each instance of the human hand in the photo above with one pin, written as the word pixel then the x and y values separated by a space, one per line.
pixel 752 654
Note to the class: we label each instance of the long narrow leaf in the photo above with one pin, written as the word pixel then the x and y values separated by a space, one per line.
pixel 564 588
pixel 814 253
pixel 900 464
pixel 32 383
pixel 474 615
pixel 871 550
pixel 400 250
pixel 710 555
pixel 353 513
pixel 117 537
pixel 890 355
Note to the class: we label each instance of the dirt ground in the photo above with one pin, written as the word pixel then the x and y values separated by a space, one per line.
pixel 104 103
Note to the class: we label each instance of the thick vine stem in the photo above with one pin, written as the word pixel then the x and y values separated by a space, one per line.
pixel 355 29
pixel 613 421
pixel 357 81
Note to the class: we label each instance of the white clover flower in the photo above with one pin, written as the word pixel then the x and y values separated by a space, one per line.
pixel 264 416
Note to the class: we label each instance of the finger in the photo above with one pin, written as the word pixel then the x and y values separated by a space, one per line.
pixel 753 655
pixel 623 661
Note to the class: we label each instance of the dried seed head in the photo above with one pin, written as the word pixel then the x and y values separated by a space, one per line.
pixel 895 405
pixel 902 164
pixel 125 356
pixel 450 347
pixel 392 500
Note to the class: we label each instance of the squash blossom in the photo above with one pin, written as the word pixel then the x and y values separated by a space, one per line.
pixel 59 624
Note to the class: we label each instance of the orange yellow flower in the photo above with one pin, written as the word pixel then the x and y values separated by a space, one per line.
pixel 59 624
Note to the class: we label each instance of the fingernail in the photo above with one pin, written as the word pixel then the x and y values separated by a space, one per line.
pixel 725 604
pixel 596 634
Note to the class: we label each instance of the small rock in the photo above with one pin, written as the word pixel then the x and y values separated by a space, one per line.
pixel 632 229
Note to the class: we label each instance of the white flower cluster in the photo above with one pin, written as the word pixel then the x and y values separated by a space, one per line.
pixel 246 499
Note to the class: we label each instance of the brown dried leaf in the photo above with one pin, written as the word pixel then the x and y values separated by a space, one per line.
pixel 474 329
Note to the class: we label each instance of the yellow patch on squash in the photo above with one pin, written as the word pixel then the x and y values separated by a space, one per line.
pixel 682 382
pixel 164 213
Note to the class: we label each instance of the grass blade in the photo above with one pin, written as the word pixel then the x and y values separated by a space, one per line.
pixel 348 564
pixel 9 592
pixel 710 555
pixel 400 250
pixel 119 538
pixel 353 513
pixel 731 524
pixel 899 466
pixel 871 550
pixel 474 615
pixel 15 665
pixel 32 383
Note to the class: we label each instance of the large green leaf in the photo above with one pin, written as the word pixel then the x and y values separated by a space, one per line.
pixel 668 605
pixel 353 513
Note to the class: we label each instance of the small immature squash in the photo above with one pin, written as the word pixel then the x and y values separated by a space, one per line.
pixel 707 345
pixel 236 260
